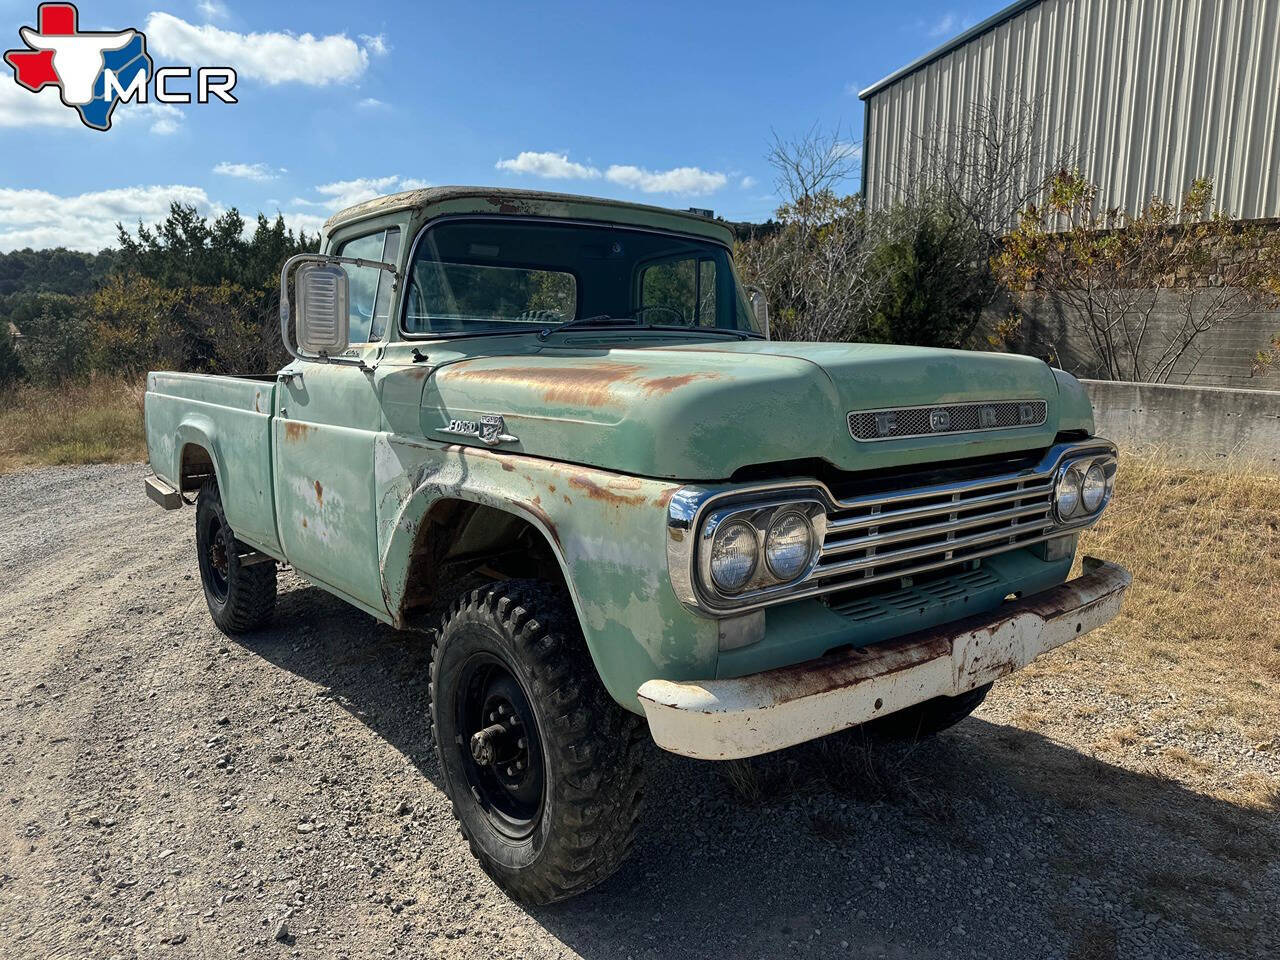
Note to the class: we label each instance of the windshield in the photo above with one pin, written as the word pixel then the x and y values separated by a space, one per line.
pixel 494 276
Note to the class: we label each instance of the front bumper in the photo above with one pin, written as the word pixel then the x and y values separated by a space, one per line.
pixel 743 717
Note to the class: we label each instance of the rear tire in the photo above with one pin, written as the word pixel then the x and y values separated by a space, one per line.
pixel 241 597
pixel 931 717
pixel 549 799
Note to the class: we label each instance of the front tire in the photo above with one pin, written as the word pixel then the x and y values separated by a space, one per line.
pixel 241 597
pixel 544 770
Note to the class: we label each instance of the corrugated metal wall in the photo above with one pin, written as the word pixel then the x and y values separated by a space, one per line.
pixel 1147 94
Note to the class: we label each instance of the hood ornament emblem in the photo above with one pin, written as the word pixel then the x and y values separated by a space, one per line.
pixel 490 429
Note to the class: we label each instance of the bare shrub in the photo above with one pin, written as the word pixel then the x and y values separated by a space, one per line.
pixel 1113 274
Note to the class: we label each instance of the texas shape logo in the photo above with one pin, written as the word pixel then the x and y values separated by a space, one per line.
pixel 96 70
pixel 79 62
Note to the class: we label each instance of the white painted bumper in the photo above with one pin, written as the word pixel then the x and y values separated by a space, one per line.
pixel 727 719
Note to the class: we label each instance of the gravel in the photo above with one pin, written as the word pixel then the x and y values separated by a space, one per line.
pixel 168 791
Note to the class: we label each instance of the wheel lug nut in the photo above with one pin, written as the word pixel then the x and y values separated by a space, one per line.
pixel 511 772
pixel 519 764
pixel 520 743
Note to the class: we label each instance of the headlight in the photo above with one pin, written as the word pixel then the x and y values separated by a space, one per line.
pixel 1093 490
pixel 788 546
pixel 1066 496
pixel 734 553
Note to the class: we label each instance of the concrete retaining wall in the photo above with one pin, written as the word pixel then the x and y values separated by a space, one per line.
pixel 1202 423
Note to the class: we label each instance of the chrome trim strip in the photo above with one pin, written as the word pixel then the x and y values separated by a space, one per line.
pixel 912 553
pixel 835 549
pixel 690 505
pixel 934 510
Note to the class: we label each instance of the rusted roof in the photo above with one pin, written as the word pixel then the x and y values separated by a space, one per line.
pixel 505 200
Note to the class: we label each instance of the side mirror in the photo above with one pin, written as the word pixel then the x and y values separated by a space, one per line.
pixel 760 307
pixel 323 297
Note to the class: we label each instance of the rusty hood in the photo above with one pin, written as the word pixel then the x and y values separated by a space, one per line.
pixel 701 411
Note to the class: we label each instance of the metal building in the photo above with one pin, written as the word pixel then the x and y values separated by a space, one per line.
pixel 1145 94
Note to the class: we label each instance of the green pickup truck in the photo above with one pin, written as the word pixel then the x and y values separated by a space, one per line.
pixel 552 434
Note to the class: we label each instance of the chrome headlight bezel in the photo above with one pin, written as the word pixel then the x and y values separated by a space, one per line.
pixel 1079 468
pixel 760 517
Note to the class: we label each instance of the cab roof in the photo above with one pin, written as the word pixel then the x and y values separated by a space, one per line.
pixel 431 202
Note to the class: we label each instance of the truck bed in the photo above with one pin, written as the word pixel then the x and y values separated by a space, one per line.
pixel 202 423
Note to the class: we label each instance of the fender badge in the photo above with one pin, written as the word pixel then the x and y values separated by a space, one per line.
pixel 490 430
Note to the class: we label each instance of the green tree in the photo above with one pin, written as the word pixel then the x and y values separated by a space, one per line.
pixel 10 362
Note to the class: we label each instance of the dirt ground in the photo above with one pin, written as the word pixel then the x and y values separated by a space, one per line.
pixel 166 791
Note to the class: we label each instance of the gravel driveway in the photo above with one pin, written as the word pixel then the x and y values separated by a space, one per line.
pixel 167 791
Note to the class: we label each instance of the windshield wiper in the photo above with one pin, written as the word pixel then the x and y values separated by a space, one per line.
pixel 603 319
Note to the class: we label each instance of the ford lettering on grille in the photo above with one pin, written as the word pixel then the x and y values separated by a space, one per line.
pixel 902 422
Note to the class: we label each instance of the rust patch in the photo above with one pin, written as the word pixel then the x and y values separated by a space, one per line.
pixel 304 523
pixel 507 205
pixel 588 385
pixel 597 492
pixel 294 431
pixel 545 519
pixel 319 493
pixel 667 384
pixel 508 466
pixel 664 498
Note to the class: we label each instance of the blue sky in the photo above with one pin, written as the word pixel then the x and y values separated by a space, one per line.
pixel 665 103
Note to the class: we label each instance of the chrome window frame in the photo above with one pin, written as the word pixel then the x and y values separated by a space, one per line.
pixel 690 508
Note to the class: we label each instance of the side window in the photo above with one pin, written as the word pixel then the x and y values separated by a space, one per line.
pixel 370 287
pixel 687 287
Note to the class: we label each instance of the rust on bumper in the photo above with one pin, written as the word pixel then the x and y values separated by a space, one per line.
pixel 727 719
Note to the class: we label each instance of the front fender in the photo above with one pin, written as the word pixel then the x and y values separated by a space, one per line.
pixel 606 530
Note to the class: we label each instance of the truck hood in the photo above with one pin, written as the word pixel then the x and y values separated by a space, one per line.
pixel 702 411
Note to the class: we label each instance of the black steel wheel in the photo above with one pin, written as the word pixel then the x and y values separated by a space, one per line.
pixel 241 597
pixel 503 750
pixel 544 770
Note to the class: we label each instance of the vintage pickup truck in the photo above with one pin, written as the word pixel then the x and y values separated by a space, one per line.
pixel 553 434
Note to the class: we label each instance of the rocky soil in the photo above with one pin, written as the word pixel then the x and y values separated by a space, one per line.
pixel 166 791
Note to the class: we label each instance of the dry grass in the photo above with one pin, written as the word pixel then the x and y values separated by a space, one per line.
pixel 97 421
pixel 1202 620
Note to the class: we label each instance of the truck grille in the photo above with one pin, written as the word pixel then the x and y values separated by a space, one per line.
pixel 880 537
pixel 902 422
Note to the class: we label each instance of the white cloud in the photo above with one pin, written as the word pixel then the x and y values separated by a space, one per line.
pixel 371 103
pixel 304 222
pixel 259 172
pixel 948 25
pixel 846 149
pixel 551 166
pixel 270 57
pixel 87 221
pixel 22 108
pixel 213 9
pixel 683 180
pixel 346 193
pixel 376 44
pixel 747 182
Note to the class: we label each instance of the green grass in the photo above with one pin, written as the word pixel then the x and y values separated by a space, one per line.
pixel 98 420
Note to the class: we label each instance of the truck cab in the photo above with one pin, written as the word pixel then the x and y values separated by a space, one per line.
pixel 551 433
